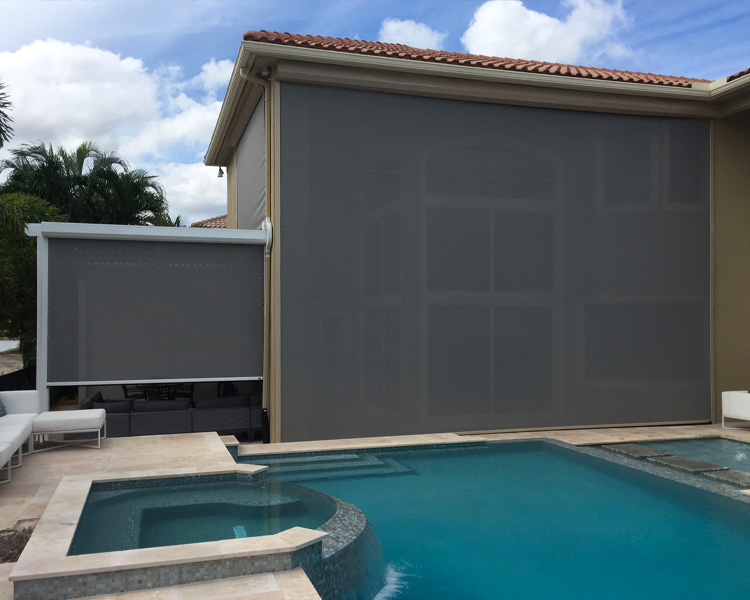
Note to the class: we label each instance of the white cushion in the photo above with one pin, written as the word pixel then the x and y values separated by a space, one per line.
pixel 21 401
pixel 60 421
pixel 736 405
pixel 15 438
pixel 17 425
pixel 14 422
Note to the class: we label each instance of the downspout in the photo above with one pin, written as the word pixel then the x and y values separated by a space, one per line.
pixel 262 81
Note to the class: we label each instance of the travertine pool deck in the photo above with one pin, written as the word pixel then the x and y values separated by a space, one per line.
pixel 617 435
pixel 25 498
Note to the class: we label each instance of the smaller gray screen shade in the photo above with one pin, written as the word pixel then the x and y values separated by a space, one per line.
pixel 138 311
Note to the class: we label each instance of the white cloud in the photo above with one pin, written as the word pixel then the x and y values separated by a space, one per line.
pixel 190 127
pixel 411 33
pixel 214 75
pixel 508 28
pixel 64 93
pixel 193 190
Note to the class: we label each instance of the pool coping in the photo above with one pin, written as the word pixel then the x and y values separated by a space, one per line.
pixel 372 444
pixel 45 555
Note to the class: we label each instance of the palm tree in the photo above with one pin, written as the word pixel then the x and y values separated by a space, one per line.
pixel 164 220
pixel 126 197
pixel 88 185
pixel 6 131
pixel 37 170
pixel 18 266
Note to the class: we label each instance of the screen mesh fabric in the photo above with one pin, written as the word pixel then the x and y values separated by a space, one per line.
pixel 145 310
pixel 457 266
pixel 251 171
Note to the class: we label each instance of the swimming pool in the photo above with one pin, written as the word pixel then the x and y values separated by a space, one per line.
pixel 719 451
pixel 535 520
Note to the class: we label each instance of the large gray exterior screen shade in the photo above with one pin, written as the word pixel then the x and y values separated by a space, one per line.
pixel 140 311
pixel 251 171
pixel 457 266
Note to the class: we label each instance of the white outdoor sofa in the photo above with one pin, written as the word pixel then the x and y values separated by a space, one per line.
pixel 16 428
pixel 25 422
pixel 735 405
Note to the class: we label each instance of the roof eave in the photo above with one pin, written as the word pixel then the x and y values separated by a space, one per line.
pixel 270 52
pixel 387 63
pixel 734 96
pixel 228 107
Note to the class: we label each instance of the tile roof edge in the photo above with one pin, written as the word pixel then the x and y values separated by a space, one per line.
pixel 738 75
pixel 219 222
pixel 403 52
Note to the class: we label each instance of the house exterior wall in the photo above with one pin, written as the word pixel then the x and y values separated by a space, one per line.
pixel 731 197
pixel 449 266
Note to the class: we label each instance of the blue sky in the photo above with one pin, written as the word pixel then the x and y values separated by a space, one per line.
pixel 146 78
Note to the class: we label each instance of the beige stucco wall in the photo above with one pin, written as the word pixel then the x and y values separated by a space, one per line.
pixel 731 298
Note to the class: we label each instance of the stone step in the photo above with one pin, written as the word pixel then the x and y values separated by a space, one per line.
pixel 387 466
pixel 303 460
pixel 686 464
pixel 296 467
pixel 636 450
pixel 738 478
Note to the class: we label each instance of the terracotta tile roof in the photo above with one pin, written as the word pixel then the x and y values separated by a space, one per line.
pixel 212 223
pixel 738 75
pixel 457 58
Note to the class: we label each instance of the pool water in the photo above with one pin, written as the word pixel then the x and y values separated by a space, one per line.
pixel 718 451
pixel 187 513
pixel 533 520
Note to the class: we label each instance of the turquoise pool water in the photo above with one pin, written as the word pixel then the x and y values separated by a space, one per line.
pixel 727 453
pixel 187 513
pixel 533 520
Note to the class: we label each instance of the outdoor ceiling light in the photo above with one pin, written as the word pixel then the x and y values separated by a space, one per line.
pixel 221 173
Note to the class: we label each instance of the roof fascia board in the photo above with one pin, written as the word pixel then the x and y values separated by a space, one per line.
pixel 737 104
pixel 486 91
pixel 720 88
pixel 733 96
pixel 228 107
pixel 144 233
pixel 387 63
